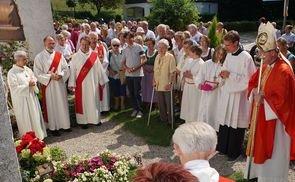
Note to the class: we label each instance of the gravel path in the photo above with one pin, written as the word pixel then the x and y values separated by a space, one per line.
pixel 112 136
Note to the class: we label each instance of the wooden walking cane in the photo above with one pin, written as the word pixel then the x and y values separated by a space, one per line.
pixel 253 124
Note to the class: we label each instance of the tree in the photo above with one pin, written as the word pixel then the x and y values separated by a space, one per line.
pixel 175 13
pixel 103 3
pixel 72 4
pixel 215 38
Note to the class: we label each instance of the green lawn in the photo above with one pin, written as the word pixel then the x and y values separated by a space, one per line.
pixel 157 133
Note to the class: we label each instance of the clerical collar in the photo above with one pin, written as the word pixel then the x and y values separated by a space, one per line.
pixel 238 51
pixel 49 51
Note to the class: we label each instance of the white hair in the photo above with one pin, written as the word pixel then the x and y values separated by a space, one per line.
pixel 195 137
pixel 115 41
pixel 19 54
pixel 64 27
pixel 193 27
pixel 162 26
pixel 91 33
pixel 165 42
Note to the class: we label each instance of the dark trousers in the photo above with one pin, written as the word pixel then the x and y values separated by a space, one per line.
pixel 164 103
pixel 230 141
pixel 134 87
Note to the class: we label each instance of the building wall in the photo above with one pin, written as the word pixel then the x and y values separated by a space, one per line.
pixel 207 8
pixel 37 21
pixel 139 8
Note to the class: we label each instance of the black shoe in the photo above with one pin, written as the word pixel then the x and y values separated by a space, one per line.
pixel 55 132
pixel 84 126
pixel 99 124
pixel 68 130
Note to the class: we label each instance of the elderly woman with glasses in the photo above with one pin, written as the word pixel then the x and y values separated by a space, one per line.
pixel 117 75
pixel 22 85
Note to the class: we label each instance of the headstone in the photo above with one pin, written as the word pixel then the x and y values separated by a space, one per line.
pixel 37 21
pixel 9 167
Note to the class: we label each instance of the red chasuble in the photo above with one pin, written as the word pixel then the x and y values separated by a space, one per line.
pixel 100 52
pixel 53 67
pixel 83 73
pixel 279 90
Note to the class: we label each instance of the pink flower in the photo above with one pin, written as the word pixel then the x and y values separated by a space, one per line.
pixel 74 174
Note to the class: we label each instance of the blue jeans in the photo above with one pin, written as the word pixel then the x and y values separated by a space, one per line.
pixel 134 87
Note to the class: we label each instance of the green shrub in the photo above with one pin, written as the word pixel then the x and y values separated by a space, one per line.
pixel 57 154
pixel 215 39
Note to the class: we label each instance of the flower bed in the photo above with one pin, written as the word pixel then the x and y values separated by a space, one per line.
pixel 105 166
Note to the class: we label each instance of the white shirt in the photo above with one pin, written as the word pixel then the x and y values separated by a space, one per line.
pixel 202 170
pixel 150 34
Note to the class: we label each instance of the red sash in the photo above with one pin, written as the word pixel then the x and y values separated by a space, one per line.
pixel 53 68
pixel 223 179
pixel 83 73
pixel 100 51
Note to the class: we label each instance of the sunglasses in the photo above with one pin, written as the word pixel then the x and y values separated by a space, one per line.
pixel 116 45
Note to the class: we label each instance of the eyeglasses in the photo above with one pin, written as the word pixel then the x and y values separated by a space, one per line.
pixel 116 45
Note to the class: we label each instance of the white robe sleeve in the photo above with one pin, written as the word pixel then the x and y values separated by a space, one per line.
pixel 41 76
pixel 72 78
pixel 64 69
pixel 198 73
pixel 269 114
pixel 103 78
pixel 238 82
pixel 15 87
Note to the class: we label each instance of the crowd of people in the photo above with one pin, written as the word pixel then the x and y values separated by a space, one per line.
pixel 101 64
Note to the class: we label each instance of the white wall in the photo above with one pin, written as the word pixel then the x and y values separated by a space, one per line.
pixel 37 21
pixel 145 6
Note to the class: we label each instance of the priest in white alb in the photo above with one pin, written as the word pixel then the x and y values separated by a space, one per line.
pixel 23 89
pixel 51 70
pixel 233 107
pixel 87 74
pixel 101 49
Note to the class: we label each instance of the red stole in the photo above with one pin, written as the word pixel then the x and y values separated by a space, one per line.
pixel 100 52
pixel 279 92
pixel 53 67
pixel 83 73
pixel 223 179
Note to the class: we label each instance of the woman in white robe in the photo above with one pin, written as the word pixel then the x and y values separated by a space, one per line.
pixel 22 84
pixel 210 72
pixel 191 94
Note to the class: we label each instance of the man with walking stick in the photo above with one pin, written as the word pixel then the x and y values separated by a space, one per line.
pixel 272 131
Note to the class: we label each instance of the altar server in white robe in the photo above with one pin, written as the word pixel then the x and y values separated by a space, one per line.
pixel 23 89
pixel 210 72
pixel 191 94
pixel 99 47
pixel 234 108
pixel 87 74
pixel 51 70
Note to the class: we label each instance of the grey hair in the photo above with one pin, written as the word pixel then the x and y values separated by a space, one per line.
pixel 91 33
pixel 115 41
pixel 195 137
pixel 162 26
pixel 193 26
pixel 165 42
pixel 18 54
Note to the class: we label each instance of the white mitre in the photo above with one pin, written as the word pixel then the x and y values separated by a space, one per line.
pixel 266 38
